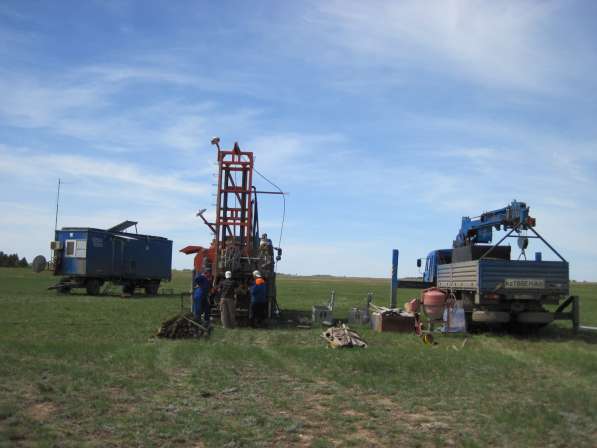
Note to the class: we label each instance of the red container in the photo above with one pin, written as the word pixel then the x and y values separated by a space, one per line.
pixel 434 302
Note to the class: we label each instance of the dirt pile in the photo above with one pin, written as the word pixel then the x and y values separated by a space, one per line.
pixel 182 326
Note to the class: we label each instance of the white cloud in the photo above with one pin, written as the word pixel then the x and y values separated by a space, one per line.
pixel 503 44
pixel 27 164
pixel 31 104
pixel 163 70
pixel 93 104
pixel 295 157
pixel 339 258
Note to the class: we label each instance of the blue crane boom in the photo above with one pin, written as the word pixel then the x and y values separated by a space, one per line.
pixel 480 229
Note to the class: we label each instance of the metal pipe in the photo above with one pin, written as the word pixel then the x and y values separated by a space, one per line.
pixel 394 278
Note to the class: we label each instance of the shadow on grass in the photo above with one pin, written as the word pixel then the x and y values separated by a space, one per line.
pixel 551 332
pixel 295 316
pixel 556 333
pixel 287 320
pixel 118 295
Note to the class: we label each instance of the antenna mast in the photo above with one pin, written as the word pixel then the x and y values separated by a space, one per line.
pixel 57 202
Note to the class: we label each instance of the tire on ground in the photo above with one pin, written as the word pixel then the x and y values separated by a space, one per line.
pixel 93 287
pixel 152 288
pixel 128 289
pixel 534 317
pixel 497 317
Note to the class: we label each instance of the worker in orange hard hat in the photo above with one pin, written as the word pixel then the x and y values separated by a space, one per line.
pixel 258 307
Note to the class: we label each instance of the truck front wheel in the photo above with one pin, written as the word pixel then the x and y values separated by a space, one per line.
pixel 152 288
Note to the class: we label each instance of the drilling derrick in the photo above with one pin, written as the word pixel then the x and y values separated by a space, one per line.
pixel 236 227
pixel 237 245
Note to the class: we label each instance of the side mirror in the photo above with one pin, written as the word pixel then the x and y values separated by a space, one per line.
pixel 418 262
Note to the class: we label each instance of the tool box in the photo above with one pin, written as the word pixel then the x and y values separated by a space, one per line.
pixel 400 322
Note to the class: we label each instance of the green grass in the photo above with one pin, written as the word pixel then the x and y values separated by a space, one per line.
pixel 78 370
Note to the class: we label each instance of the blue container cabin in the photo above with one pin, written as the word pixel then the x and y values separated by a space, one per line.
pixel 87 258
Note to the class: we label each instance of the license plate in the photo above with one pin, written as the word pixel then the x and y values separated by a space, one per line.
pixel 524 283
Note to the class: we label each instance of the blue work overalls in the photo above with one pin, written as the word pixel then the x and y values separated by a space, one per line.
pixel 201 297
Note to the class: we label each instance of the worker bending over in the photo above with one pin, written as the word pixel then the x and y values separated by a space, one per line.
pixel 201 297
pixel 258 307
pixel 227 302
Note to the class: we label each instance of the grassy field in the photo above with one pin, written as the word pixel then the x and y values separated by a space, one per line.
pixel 78 370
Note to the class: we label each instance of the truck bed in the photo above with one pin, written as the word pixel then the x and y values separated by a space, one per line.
pixel 488 275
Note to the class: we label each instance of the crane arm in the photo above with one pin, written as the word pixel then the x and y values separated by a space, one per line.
pixel 480 229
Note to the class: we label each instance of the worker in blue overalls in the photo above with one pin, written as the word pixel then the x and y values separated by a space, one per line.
pixel 258 306
pixel 201 297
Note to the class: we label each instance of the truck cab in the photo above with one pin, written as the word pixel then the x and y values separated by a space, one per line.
pixel 433 259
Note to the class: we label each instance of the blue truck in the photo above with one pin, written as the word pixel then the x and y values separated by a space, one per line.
pixel 87 258
pixel 492 287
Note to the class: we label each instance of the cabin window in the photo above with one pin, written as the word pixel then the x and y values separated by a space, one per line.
pixel 75 248
pixel 70 248
pixel 81 249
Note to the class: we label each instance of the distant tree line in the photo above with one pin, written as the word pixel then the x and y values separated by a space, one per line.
pixel 12 261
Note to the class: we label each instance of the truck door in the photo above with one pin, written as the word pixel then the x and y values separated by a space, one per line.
pixel 429 274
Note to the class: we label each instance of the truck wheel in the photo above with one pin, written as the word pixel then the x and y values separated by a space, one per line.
pixel 63 290
pixel 93 287
pixel 471 326
pixel 493 317
pixel 128 289
pixel 152 288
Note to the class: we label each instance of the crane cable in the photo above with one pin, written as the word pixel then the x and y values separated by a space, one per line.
pixel 283 204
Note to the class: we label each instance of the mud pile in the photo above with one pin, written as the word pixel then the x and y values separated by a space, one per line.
pixel 182 326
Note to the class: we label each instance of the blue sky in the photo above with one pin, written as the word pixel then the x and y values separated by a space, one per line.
pixel 385 121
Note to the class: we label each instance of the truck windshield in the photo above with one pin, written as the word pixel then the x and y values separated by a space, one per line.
pixel 444 257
